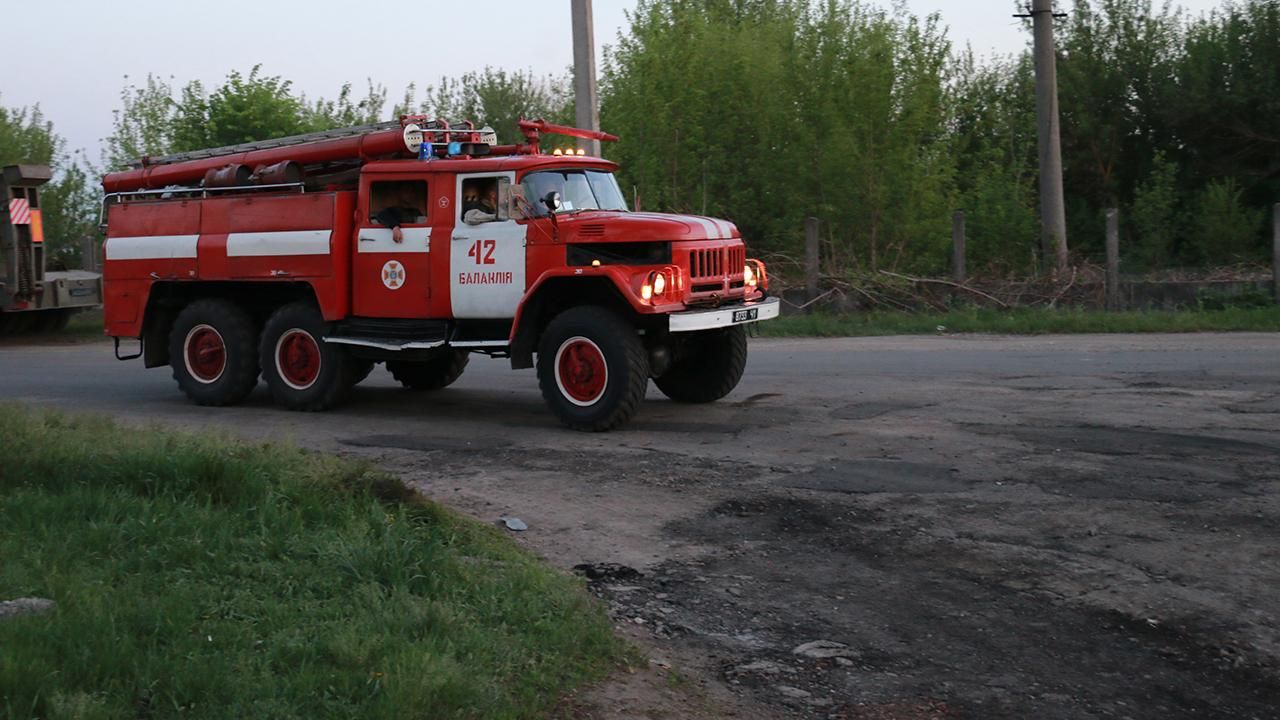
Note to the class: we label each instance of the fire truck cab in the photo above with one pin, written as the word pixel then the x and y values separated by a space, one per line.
pixel 308 260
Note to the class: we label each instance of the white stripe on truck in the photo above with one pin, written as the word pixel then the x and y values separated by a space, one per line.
pixel 152 247
pixel 286 242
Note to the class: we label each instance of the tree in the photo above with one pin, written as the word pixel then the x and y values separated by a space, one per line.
pixel 143 125
pixel 1223 229
pixel 496 98
pixel 994 143
pixel 244 108
pixel 1155 218
pixel 767 112
pixel 1116 60
pixel 1224 105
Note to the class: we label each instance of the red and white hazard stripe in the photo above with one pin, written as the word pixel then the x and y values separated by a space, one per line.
pixel 19 211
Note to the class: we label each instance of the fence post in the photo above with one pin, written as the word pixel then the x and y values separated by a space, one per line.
pixel 957 247
pixel 811 258
pixel 1113 259
pixel 1275 250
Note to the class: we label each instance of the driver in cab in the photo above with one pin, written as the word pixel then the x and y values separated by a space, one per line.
pixel 404 203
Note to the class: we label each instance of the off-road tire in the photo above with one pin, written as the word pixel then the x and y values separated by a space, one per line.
pixel 708 366
pixel 596 334
pixel 435 374
pixel 301 369
pixel 194 340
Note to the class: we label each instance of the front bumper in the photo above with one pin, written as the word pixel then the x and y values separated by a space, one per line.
pixel 739 314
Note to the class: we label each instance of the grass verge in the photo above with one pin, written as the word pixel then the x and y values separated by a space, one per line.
pixel 205 578
pixel 1021 321
pixel 87 325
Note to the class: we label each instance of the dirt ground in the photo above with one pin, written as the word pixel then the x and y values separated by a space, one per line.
pixel 896 528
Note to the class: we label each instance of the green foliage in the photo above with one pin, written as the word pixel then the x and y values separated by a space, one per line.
pixel 1224 100
pixel 766 113
pixel 143 125
pixel 70 204
pixel 153 121
pixel 344 111
pixel 26 137
pixel 1155 221
pixel 993 140
pixel 1221 227
pixel 496 98
pixel 240 110
pixel 200 577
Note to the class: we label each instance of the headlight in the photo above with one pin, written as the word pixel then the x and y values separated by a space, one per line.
pixel 749 276
pixel 656 285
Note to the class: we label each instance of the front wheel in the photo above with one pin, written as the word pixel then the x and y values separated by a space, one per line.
pixel 708 366
pixel 592 368
pixel 301 369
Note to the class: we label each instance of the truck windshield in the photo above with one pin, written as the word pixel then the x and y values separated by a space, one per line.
pixel 579 190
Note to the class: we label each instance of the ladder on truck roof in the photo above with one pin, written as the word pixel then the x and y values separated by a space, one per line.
pixel 268 144
pixel 434 126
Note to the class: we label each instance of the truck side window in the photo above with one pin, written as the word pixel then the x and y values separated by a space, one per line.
pixel 483 200
pixel 401 202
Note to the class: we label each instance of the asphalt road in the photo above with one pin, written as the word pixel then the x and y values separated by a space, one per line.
pixel 1054 527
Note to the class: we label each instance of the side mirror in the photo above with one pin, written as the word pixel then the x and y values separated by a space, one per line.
pixel 552 201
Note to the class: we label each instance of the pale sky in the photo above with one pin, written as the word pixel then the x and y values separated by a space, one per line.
pixel 71 56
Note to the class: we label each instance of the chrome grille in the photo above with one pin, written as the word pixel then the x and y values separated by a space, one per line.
pixel 717 262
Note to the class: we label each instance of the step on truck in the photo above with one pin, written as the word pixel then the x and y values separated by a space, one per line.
pixel 310 259
pixel 34 299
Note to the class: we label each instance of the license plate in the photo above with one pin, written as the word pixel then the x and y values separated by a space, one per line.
pixel 745 315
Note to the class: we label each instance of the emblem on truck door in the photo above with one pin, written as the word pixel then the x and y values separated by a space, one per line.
pixel 393 275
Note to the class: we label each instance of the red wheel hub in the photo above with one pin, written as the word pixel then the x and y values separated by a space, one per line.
pixel 298 359
pixel 581 371
pixel 206 354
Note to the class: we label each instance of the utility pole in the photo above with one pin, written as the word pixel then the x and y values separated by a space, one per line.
pixel 1053 213
pixel 584 74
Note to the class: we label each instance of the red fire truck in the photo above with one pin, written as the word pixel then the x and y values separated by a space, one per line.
pixel 307 260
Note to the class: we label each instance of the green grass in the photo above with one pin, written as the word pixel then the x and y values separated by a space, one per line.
pixel 1021 321
pixel 82 327
pixel 87 324
pixel 202 578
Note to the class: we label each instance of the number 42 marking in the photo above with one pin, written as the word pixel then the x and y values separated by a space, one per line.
pixel 482 251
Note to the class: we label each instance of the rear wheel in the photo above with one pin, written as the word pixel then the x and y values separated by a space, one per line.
pixel 213 352
pixel 435 374
pixel 592 368
pixel 708 366
pixel 302 370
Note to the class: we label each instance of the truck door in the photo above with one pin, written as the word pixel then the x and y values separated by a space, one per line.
pixel 389 278
pixel 487 249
